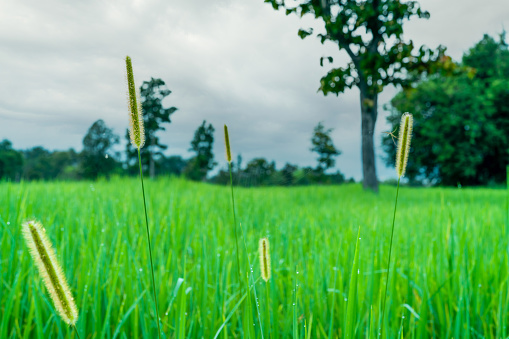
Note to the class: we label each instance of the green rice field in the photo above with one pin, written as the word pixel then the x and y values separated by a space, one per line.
pixel 448 277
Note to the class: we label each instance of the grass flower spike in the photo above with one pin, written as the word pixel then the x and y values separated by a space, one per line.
pixel 227 145
pixel 42 252
pixel 136 130
pixel 405 136
pixel 264 258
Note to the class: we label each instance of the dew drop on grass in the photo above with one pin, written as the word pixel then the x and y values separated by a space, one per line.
pixel 8 222
pixel 141 269
pixel 358 271
pixel 346 299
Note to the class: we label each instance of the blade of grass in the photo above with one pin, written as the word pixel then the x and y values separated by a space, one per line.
pixel 352 293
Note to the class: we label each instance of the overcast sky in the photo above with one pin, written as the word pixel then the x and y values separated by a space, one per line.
pixel 237 62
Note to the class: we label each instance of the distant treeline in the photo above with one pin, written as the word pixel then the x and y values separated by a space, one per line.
pixel 97 159
pixel 460 136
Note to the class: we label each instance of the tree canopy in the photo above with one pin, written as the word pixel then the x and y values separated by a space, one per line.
pixel 461 121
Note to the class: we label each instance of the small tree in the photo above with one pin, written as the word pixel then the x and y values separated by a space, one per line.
pixel 97 157
pixel 155 114
pixel 11 161
pixel 202 143
pixel 323 145
pixel 371 33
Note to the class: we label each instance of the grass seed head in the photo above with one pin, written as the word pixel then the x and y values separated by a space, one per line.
pixel 44 257
pixel 227 145
pixel 136 130
pixel 264 258
pixel 405 136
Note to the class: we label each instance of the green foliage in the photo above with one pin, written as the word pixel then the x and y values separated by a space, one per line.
pixel 97 158
pixel 461 121
pixel 152 94
pixel 202 143
pixel 41 164
pixel 453 258
pixel 323 145
pixel 11 161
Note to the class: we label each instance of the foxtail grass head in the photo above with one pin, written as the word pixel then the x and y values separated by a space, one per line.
pixel 405 136
pixel 227 145
pixel 137 129
pixel 264 258
pixel 44 257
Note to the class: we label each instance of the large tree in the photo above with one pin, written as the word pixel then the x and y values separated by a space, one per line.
pixel 97 157
pixel 152 94
pixel 371 33
pixel 461 122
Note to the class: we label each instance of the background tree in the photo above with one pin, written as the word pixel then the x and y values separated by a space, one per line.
pixel 11 161
pixel 461 122
pixel 155 114
pixel 323 145
pixel 172 165
pixel 371 33
pixel 202 143
pixel 259 171
pixel 97 157
pixel 41 164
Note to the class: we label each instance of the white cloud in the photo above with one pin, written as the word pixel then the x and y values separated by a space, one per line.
pixel 234 62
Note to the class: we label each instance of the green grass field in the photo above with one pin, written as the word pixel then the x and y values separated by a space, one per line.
pixel 449 276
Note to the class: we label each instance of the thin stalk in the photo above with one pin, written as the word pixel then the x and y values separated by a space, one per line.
pixel 253 281
pixel 295 332
pixel 333 296
pixel 76 331
pixel 507 200
pixel 235 226
pixel 149 246
pixel 389 261
pixel 267 311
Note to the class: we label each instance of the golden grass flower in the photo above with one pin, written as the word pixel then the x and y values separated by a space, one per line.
pixel 137 129
pixel 44 257
pixel 227 145
pixel 264 258
pixel 405 136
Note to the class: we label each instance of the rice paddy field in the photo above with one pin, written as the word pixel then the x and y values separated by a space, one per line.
pixel 448 277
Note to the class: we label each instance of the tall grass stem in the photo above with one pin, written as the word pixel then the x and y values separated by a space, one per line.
pixel 235 224
pixel 389 260
pixel 149 246
pixel 76 331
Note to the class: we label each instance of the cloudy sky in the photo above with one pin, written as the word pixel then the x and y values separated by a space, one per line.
pixel 237 62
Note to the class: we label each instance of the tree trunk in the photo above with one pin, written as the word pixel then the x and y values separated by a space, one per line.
pixel 369 112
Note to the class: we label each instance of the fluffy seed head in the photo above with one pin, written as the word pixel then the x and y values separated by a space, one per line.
pixel 44 257
pixel 405 136
pixel 137 129
pixel 264 250
pixel 227 145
